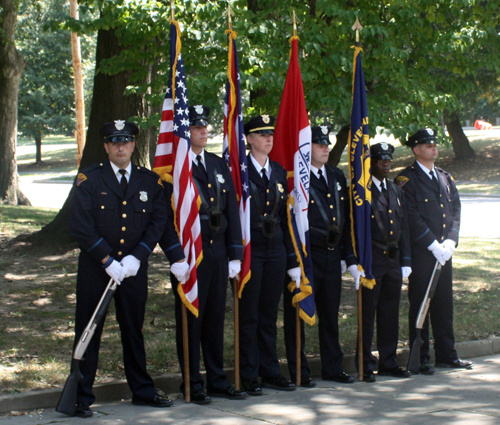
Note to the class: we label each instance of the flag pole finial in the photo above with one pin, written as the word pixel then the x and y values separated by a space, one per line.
pixel 357 27
pixel 294 24
pixel 229 20
pixel 172 10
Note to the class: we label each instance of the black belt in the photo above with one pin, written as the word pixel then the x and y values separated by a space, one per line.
pixel 267 221
pixel 214 216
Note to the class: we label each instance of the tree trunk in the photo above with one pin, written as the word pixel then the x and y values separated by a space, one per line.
pixel 460 142
pixel 38 143
pixel 108 104
pixel 11 67
pixel 338 149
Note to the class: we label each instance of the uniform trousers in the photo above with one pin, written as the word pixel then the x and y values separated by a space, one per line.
pixel 382 302
pixel 207 330
pixel 259 311
pixel 327 291
pixel 130 302
pixel 440 310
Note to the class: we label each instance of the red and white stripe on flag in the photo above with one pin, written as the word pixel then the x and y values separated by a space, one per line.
pixel 173 164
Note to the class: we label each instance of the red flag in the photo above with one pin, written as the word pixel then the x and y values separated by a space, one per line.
pixel 173 164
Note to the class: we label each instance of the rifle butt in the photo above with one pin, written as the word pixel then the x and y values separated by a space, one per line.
pixel 414 360
pixel 67 400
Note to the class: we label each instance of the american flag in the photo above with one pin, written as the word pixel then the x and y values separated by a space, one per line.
pixel 235 154
pixel 292 149
pixel 173 164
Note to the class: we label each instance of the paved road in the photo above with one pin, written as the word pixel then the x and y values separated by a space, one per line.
pixel 448 397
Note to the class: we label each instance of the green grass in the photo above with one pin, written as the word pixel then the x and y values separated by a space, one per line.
pixel 16 220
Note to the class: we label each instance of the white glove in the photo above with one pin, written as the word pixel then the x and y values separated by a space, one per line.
pixel 438 251
pixel 356 274
pixel 130 265
pixel 405 272
pixel 343 266
pixel 449 246
pixel 295 274
pixel 180 270
pixel 234 268
pixel 115 271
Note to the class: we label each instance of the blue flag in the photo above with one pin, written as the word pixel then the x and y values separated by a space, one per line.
pixel 360 174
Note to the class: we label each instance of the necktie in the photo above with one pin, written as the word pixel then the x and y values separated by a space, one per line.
pixel 384 191
pixel 200 164
pixel 322 178
pixel 123 181
pixel 264 176
pixel 434 179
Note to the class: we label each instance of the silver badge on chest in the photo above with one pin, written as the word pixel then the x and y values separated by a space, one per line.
pixel 143 196
pixel 220 178
pixel 339 188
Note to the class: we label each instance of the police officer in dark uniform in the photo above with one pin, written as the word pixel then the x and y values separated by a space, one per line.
pixel 330 241
pixel 272 255
pixel 117 215
pixel 434 213
pixel 222 254
pixel 391 262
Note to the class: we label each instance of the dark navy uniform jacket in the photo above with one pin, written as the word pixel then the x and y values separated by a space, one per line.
pixel 217 187
pixel 434 213
pixel 337 214
pixel 276 191
pixel 393 216
pixel 103 222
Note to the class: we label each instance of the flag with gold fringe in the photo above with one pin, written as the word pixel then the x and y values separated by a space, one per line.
pixel 172 163
pixel 360 174
pixel 234 151
pixel 292 149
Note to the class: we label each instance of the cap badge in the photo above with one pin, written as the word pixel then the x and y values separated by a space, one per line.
pixel 265 118
pixel 384 146
pixel 220 178
pixel 280 188
pixel 120 124
pixel 430 131
pixel 324 129
pixel 198 109
pixel 143 196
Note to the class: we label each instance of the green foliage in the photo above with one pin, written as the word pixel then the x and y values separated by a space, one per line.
pixel 46 96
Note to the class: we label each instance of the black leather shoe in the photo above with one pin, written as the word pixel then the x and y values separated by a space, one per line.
pixel 426 369
pixel 200 397
pixel 306 382
pixel 252 387
pixel 157 401
pixel 456 364
pixel 278 382
pixel 397 372
pixel 83 410
pixel 230 393
pixel 342 377
pixel 369 377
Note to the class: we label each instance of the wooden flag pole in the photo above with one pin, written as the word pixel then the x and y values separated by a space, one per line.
pixel 298 347
pixel 357 27
pixel 237 382
pixel 185 346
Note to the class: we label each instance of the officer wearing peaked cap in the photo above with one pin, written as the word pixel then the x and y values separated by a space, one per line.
pixel 117 215
pixel 330 242
pixel 390 263
pixel 222 254
pixel 272 255
pixel 434 213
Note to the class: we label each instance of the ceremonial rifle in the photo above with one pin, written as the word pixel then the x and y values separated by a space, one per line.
pixel 67 401
pixel 414 361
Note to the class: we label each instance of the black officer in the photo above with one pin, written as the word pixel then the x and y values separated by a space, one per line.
pixel 434 213
pixel 117 215
pixel 391 262
pixel 330 240
pixel 272 254
pixel 222 254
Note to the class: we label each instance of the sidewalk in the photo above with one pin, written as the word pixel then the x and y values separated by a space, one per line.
pixel 458 397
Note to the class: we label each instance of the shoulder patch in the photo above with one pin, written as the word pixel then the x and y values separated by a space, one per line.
pixel 402 180
pixel 160 182
pixel 80 179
